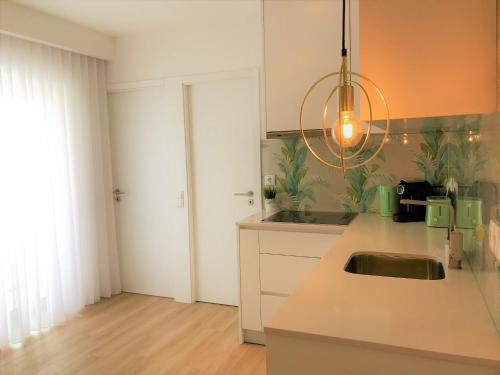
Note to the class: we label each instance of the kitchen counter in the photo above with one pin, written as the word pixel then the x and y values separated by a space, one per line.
pixel 439 319
pixel 255 222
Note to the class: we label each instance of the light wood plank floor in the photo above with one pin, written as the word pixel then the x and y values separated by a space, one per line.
pixel 135 334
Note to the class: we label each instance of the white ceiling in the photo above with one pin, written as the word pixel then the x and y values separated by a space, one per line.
pixel 121 17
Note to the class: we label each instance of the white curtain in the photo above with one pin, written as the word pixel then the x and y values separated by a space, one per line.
pixel 57 235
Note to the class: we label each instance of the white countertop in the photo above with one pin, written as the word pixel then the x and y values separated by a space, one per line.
pixel 439 318
pixel 255 222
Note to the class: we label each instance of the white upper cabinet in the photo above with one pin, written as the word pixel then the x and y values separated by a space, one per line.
pixel 430 58
pixel 302 42
pixel 417 52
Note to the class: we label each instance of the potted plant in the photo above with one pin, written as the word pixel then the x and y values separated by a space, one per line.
pixel 270 193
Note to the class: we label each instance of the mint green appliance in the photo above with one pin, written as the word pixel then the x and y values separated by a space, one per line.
pixel 469 212
pixel 389 200
pixel 437 216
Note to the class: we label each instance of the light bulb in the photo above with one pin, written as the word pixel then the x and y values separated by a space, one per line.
pixel 349 128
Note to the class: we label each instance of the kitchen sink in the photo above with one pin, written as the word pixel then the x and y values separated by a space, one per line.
pixel 395 265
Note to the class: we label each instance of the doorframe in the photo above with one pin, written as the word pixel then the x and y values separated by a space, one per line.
pixel 187 82
pixel 189 190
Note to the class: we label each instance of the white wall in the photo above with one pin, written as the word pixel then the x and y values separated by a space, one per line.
pixel 232 41
pixel 30 24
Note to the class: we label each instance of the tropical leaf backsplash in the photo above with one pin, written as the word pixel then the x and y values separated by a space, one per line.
pixel 362 184
pixel 437 156
pixel 431 159
pixel 454 155
pixel 295 187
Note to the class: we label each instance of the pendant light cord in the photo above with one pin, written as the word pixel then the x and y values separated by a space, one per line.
pixel 350 45
pixel 344 50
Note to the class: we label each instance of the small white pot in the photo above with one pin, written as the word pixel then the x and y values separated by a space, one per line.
pixel 270 206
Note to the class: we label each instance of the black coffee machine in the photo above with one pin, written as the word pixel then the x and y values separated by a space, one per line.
pixel 416 190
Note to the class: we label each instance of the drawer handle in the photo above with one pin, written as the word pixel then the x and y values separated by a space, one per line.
pixel 274 294
pixel 249 193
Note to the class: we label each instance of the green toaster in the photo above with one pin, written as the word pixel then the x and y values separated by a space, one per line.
pixel 469 212
pixel 437 216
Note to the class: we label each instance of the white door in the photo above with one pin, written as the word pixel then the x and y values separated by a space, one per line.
pixel 225 160
pixel 140 153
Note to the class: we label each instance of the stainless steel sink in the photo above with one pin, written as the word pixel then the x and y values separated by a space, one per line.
pixel 395 265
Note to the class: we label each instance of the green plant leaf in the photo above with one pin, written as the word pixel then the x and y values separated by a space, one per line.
pixel 381 155
pixel 282 185
pixel 368 198
pixel 309 193
pixel 282 167
pixel 426 149
pixel 350 192
pixel 285 154
pixel 300 196
pixel 300 156
pixel 301 173
pixel 347 207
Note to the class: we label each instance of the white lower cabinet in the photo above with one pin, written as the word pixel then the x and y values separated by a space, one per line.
pixel 271 266
pixel 249 280
pixel 296 243
pixel 269 305
pixel 281 274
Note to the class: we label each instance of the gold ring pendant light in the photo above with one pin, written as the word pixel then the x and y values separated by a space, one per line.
pixel 347 132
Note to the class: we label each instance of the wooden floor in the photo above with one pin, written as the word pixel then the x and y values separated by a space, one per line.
pixel 135 334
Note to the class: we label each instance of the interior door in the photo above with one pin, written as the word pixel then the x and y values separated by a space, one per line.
pixel 141 157
pixel 225 178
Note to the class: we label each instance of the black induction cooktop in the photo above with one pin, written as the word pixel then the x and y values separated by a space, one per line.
pixel 312 217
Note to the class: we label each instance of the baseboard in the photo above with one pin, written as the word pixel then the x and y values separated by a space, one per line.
pixel 254 337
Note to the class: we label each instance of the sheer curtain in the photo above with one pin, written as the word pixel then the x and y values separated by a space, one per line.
pixel 57 236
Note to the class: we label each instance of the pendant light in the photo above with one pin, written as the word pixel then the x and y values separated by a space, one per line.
pixel 346 139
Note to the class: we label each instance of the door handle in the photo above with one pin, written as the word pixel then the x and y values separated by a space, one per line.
pixel 117 193
pixel 249 193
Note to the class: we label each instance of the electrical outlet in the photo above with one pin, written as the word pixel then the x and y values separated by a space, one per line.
pixel 269 180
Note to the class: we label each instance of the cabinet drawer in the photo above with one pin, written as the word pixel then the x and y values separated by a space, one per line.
pixel 269 305
pixel 281 273
pixel 296 243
